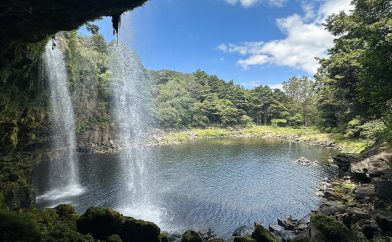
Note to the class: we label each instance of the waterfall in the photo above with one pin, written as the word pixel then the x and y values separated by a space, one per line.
pixel 132 113
pixel 63 168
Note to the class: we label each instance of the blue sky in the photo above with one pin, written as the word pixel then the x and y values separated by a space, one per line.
pixel 252 42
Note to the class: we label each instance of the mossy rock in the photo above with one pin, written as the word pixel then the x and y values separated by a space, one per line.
pixel 164 237
pixel 216 240
pixel 67 234
pixel 244 239
pixel 2 202
pixel 45 218
pixel 100 223
pixel 66 211
pixel 138 231
pixel 330 229
pixel 191 236
pixel 260 234
pixel 18 227
pixel 114 238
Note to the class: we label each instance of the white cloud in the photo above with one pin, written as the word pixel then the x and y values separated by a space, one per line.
pixel 276 86
pixel 306 38
pixel 254 84
pixel 250 3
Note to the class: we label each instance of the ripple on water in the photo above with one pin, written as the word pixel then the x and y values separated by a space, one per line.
pixel 209 184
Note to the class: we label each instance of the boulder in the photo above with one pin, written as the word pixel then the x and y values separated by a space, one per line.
pixel 260 234
pixel 207 234
pixel 343 161
pixel 114 238
pixel 191 236
pixel 384 189
pixel 372 166
pixel 303 161
pixel 287 224
pixel 275 228
pixel 331 208
pixel 325 228
pixel 134 230
pixel 384 219
pixel 244 230
pixel 303 237
pixel 100 223
pixel 364 191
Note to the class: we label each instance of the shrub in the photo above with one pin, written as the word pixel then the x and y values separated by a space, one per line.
pixel 372 130
pixel 354 127
pixel 296 120
pixel 246 120
pixel 279 122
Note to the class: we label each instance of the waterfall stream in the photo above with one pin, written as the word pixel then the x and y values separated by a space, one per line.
pixel 131 110
pixel 63 170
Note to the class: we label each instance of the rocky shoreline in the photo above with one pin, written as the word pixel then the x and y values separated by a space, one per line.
pixel 356 205
pixel 99 141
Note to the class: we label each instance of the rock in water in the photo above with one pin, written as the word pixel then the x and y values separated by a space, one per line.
pixel 191 236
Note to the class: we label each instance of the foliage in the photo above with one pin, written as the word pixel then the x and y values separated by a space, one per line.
pixel 18 227
pixel 279 122
pixel 331 228
pixel 354 80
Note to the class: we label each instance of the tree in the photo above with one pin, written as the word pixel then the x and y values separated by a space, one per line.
pixel 301 95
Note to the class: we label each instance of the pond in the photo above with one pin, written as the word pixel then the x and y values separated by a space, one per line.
pixel 212 183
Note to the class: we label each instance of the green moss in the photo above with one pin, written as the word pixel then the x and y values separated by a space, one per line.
pixel 260 234
pixel 66 211
pixel 164 237
pixel 100 222
pixel 191 236
pixel 244 239
pixel 139 231
pixel 114 238
pixel 45 219
pixel 332 229
pixel 18 227
pixel 67 234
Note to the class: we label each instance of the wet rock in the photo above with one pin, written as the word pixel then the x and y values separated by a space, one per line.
pixel 384 189
pixel 134 230
pixel 216 240
pixel 100 223
pixel 244 239
pixel 343 161
pixel 331 208
pixel 303 237
pixel 325 228
pixel 207 234
pixel 260 234
pixel 364 191
pixel 384 219
pixel 303 161
pixel 275 228
pixel 245 230
pixel 288 224
pixel 191 236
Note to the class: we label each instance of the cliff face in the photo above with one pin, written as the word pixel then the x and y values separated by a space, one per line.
pixel 25 27
pixel 30 21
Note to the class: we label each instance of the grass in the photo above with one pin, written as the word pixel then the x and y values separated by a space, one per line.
pixel 302 134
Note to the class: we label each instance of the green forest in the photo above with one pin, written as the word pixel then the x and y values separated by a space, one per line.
pixel 350 93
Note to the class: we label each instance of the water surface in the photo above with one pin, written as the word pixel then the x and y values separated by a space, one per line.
pixel 217 183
